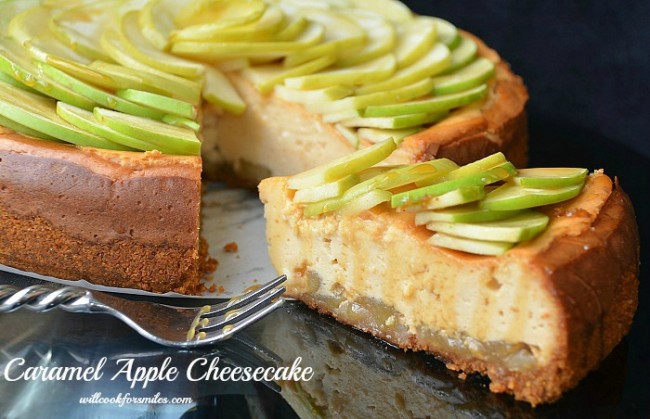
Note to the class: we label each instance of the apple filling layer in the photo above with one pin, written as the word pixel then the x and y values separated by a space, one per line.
pixel 382 320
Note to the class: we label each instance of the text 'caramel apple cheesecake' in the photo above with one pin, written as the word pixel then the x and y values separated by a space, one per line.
pixel 107 107
pixel 527 276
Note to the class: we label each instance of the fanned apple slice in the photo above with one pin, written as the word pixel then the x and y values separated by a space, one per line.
pixel 39 114
pixel 294 27
pixel 14 82
pixel 401 94
pixel 201 19
pixel 15 63
pixel 478 166
pixel 413 41
pixel 468 77
pixel 179 121
pixel 395 122
pixel 153 81
pixel 317 95
pixel 514 197
pixel 460 196
pixel 142 50
pixel 263 29
pixel 377 134
pixel 81 27
pixel 32 30
pixel 462 55
pixel 15 126
pixel 477 247
pixel 159 102
pixel 433 62
pixel 327 190
pixel 372 71
pixel 349 134
pixel 434 104
pixel 224 50
pixel 447 32
pixel 165 137
pixel 266 77
pixel 85 120
pixel 550 177
pixel 343 166
pixel 380 40
pixel 99 96
pixel 341 34
pixel 487 177
pixel 11 8
pixel 393 11
pixel 156 21
pixel 365 202
pixel 464 214
pixel 218 91
pixel 521 227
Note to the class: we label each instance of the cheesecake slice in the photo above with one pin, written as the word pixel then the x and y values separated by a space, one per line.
pixel 534 319
pixel 114 218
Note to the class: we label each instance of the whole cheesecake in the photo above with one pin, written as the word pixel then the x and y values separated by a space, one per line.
pixel 102 112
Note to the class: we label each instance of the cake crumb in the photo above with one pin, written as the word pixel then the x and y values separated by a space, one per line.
pixel 231 247
pixel 462 376
pixel 212 288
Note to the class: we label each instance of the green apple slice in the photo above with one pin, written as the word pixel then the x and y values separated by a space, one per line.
pixel 435 104
pixel 433 62
pixel 521 227
pixel 513 197
pixel 327 190
pixel 366 73
pixel 179 121
pixel 365 202
pixel 317 95
pixel 413 41
pixel 292 30
pixel 394 11
pixel 395 122
pixel 218 91
pixel 14 63
pixel 264 22
pixel 377 134
pixel 477 247
pixel 219 13
pixel 84 73
pixel 462 55
pixel 159 102
pixel 380 40
pixel 343 166
pixel 487 177
pixel 478 166
pixel 465 214
pixel 80 27
pixel 20 128
pixel 373 171
pixel 4 77
pixel 468 77
pixel 39 113
pixel 349 134
pixel 551 177
pixel 153 81
pixel 398 95
pixel 85 120
pixel 173 139
pixel 447 32
pixel 347 114
pixel 267 77
pixel 11 8
pixel 224 50
pixel 156 21
pixel 99 96
pixel 460 196
pixel 142 50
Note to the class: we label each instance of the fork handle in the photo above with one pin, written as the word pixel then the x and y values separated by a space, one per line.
pixel 43 298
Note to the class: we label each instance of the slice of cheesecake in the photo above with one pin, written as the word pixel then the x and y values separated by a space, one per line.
pixel 535 319
pixel 113 218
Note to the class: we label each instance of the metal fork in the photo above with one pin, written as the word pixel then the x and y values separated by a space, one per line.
pixel 163 324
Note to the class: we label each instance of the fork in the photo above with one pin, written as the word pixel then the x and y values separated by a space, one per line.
pixel 164 324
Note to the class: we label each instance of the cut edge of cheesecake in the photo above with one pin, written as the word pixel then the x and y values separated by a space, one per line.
pixel 535 320
pixel 124 219
pixel 274 137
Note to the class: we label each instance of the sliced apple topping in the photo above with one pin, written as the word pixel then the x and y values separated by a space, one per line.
pixel 463 206
pixel 371 68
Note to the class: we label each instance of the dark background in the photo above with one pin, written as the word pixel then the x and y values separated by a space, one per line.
pixel 584 62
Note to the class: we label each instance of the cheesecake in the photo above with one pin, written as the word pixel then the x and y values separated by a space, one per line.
pixel 109 116
pixel 534 316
